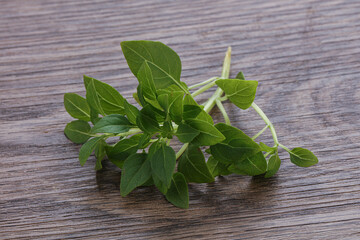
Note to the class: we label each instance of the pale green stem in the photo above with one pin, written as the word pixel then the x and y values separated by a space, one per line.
pixel 224 75
pixel 266 154
pixel 182 150
pixel 260 132
pixel 224 98
pixel 203 89
pixel 285 148
pixel 223 111
pixel 267 121
pixel 211 102
pixel 203 83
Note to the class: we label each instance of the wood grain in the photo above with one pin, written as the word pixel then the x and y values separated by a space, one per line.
pixel 305 54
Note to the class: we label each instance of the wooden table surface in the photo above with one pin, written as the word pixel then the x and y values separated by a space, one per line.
pixel 305 55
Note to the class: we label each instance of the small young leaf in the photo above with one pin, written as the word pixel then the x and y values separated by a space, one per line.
pixel 87 149
pixel 100 154
pixel 172 103
pixel 208 136
pixel 164 63
pixel 185 133
pixel 110 99
pixel 217 168
pixel 121 151
pixel 251 166
pixel 113 123
pixel 240 76
pixel 302 157
pixel 240 92
pixel 77 106
pixel 131 112
pixel 266 148
pixel 273 165
pixel 163 162
pixel 147 122
pixel 136 172
pixel 236 147
pixel 191 111
pixel 77 131
pixel 178 192
pixel 189 100
pixel 192 164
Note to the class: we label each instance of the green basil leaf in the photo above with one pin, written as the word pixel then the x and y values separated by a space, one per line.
pixel 236 147
pixel 147 121
pixel 302 157
pixel 100 154
pixel 192 164
pixel 189 100
pixel 136 171
pixel 118 153
pixel 164 63
pixel 217 168
pixel 273 165
pixel 209 135
pixel 87 149
pixel 110 99
pixel 185 133
pixel 172 103
pixel 77 131
pixel 251 166
pixel 178 193
pixel 131 112
pixel 240 92
pixel 163 162
pixel 113 123
pixel 92 97
pixel 77 106
pixel 240 76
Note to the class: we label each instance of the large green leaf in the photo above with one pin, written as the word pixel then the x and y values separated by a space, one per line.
pixel 114 123
pixel 136 172
pixel 92 97
pixel 87 149
pixel 192 164
pixel 251 166
pixel 110 99
pixel 178 193
pixel 236 146
pixel 273 165
pixel 77 106
pixel 77 131
pixel 302 157
pixel 240 92
pixel 164 63
pixel 209 135
pixel 163 162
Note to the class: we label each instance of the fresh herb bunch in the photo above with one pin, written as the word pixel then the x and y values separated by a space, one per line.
pixel 143 152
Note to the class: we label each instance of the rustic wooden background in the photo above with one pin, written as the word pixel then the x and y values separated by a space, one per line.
pixel 305 54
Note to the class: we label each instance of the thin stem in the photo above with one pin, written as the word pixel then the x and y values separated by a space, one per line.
pixel 223 111
pixel 224 98
pixel 285 148
pixel 260 132
pixel 266 154
pixel 182 150
pixel 266 120
pixel 203 83
pixel 225 74
pixel 131 131
pixel 203 89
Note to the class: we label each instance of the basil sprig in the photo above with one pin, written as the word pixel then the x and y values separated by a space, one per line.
pixel 167 111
